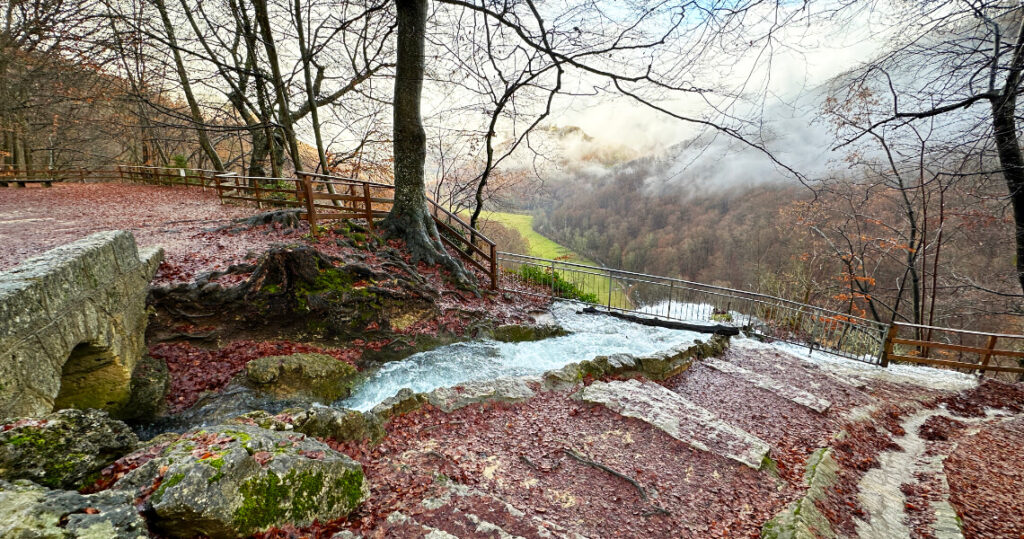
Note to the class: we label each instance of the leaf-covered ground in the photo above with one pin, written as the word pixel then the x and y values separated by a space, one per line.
pixel 518 453
pixel 565 466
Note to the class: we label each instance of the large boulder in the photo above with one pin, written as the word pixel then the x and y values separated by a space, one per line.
pixel 316 377
pixel 449 399
pixel 235 480
pixel 30 511
pixel 64 449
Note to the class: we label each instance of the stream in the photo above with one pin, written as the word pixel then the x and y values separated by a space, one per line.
pixel 589 336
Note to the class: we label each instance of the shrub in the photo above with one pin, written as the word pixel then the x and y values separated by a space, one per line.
pixel 560 287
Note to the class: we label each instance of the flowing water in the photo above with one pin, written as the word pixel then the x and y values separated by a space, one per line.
pixel 591 335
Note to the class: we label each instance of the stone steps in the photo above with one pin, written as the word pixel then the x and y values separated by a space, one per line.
pixel 679 418
pixel 786 391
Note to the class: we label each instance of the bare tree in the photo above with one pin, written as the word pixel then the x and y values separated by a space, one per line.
pixel 945 61
pixel 648 52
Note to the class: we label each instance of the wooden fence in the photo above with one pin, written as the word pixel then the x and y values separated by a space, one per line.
pixel 954 348
pixel 186 177
pixel 46 177
pixel 324 198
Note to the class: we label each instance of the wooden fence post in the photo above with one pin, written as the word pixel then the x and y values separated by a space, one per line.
pixel 494 267
pixel 310 206
pixel 259 203
pixel 219 188
pixel 988 355
pixel 889 336
pixel 368 205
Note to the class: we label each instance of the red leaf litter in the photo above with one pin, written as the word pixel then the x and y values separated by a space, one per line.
pixel 196 371
pixel 35 220
pixel 986 481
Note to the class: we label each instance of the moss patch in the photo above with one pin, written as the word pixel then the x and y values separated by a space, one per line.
pixel 166 484
pixel 273 500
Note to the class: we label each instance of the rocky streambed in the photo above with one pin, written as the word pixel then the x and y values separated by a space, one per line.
pixel 254 457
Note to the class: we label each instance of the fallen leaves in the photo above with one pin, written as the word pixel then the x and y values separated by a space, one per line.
pixel 195 371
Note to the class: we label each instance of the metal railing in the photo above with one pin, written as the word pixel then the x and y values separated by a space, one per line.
pixel 676 299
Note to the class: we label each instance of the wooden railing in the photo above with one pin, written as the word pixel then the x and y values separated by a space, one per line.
pixel 168 176
pixel 47 177
pixel 954 348
pixel 323 198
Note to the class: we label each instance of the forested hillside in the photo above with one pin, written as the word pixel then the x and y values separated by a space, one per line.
pixel 846 243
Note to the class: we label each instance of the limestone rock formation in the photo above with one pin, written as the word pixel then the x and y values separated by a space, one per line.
pixel 72 324
pixel 30 511
pixel 802 519
pixel 449 399
pixel 316 377
pixel 321 422
pixel 234 480
pixel 62 449
pixel 679 418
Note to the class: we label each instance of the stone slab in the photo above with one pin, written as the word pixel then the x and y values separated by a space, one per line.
pixel 782 389
pixel 679 418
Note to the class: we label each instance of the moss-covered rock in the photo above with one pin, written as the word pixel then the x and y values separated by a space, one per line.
pixel 655 366
pixel 802 519
pixel 30 511
pixel 235 480
pixel 403 402
pixel 524 333
pixel 310 376
pixel 62 449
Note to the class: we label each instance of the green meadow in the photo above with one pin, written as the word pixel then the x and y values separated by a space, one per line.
pixel 541 246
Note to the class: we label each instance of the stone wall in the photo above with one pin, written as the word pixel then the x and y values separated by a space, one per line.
pixel 72 326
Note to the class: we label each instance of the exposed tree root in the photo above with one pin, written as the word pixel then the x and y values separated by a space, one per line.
pixel 424 245
pixel 286 218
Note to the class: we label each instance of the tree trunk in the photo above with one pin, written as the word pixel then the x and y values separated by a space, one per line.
pixel 186 88
pixel 410 217
pixel 263 21
pixel 1005 130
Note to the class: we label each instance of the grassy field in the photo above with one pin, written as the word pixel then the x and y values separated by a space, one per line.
pixel 544 247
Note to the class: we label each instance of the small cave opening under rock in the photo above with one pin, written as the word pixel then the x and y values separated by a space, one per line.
pixel 92 377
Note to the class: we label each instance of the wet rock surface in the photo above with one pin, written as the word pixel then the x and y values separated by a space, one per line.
pixel 30 511
pixel 63 449
pixel 679 418
pixel 522 333
pixel 320 422
pixel 316 377
pixel 234 480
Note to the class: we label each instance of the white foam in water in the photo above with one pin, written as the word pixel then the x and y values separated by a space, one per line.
pixel 592 336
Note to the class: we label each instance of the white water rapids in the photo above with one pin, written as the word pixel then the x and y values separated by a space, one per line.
pixel 591 336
